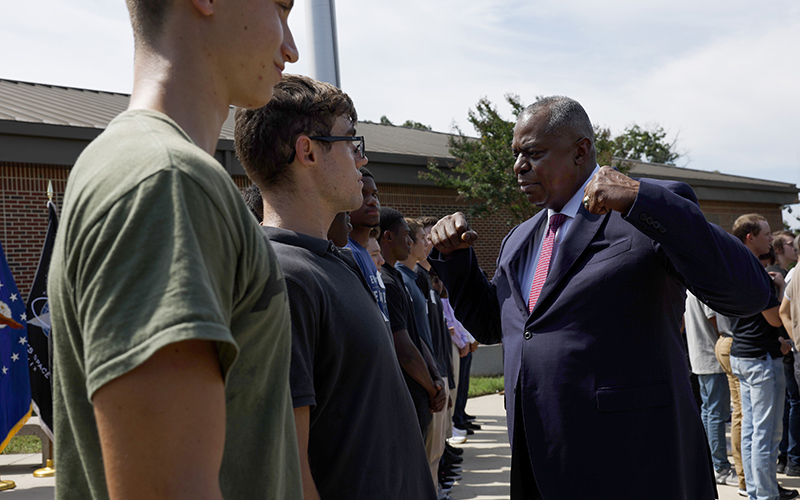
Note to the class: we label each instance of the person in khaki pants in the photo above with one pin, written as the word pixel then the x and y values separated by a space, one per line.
pixel 723 352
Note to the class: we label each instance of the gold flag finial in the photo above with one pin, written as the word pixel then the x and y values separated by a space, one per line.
pixel 50 191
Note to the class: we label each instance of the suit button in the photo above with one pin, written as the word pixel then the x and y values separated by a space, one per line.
pixel 643 216
pixel 656 225
pixel 528 334
pixel 649 221
pixel 663 230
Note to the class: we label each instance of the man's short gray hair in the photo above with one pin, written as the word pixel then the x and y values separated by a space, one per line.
pixel 563 113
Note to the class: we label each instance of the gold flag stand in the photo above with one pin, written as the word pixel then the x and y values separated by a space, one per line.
pixel 48 471
pixel 7 485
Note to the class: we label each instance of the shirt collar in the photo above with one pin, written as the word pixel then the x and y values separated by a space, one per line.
pixel 287 237
pixel 570 209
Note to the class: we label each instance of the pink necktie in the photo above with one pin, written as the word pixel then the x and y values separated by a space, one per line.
pixel 543 266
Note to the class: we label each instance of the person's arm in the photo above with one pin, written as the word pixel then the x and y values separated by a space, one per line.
pixel 412 361
pixel 302 419
pixel 472 296
pixel 713 264
pixel 772 316
pixel 785 312
pixel 164 422
pixel 438 399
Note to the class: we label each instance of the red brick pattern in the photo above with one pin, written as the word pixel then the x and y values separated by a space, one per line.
pixel 23 215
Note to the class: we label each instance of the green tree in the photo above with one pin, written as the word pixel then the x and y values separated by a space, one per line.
pixel 417 125
pixel 483 173
pixel 385 121
pixel 637 143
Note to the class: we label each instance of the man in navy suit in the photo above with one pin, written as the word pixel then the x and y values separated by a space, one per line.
pixel 597 384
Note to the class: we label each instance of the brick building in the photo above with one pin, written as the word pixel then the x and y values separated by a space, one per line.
pixel 43 129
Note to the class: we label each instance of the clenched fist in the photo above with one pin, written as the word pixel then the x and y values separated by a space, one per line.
pixel 452 233
pixel 610 190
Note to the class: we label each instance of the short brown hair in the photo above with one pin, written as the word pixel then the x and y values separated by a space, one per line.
pixel 413 226
pixel 428 221
pixel 747 224
pixel 147 18
pixel 265 137
pixel 777 240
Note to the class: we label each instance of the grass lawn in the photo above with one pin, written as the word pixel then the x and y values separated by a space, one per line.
pixel 23 444
pixel 480 386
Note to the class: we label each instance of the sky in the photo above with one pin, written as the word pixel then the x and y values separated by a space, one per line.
pixel 723 77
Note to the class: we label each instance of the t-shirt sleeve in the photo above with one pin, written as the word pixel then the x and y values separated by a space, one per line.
pixel 154 269
pixel 304 341
pixel 394 302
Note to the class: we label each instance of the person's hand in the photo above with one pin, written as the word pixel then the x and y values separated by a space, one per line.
pixel 473 347
pixel 463 351
pixel 610 190
pixel 786 345
pixel 438 400
pixel 452 233
pixel 777 278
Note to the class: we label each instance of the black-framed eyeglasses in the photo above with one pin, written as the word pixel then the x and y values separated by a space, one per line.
pixel 360 147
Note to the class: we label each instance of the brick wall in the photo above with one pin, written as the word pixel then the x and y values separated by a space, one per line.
pixel 724 213
pixel 23 214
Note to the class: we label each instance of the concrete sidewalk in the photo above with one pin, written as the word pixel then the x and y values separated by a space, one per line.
pixel 486 475
pixel 19 468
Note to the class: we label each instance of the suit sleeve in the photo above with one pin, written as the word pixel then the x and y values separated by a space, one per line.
pixel 713 264
pixel 473 297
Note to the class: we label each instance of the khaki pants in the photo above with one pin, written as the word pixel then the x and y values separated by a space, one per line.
pixel 723 352
pixel 434 443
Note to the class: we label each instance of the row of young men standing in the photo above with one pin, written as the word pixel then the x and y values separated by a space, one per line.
pixel 755 355
pixel 371 363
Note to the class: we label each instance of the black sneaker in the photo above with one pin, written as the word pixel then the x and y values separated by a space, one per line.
pixel 792 470
pixel 786 493
pixel 453 449
pixel 782 459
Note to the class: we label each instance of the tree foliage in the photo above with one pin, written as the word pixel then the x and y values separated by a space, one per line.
pixel 483 174
pixel 637 143
pixel 407 124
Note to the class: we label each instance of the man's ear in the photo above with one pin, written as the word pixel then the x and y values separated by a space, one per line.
pixel 582 149
pixel 304 150
pixel 205 7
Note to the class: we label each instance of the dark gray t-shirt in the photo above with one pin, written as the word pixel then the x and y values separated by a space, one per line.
pixel 364 440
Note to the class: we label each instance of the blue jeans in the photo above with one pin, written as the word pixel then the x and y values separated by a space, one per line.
pixel 715 411
pixel 790 447
pixel 763 390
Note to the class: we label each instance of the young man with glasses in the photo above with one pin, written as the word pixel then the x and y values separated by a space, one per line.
pixel 351 404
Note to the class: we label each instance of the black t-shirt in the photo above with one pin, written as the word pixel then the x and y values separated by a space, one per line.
pixel 753 336
pixel 345 369
pixel 401 317
pixel 440 335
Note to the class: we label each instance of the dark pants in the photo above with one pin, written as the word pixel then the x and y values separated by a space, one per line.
pixel 459 410
pixel 790 443
pixel 523 482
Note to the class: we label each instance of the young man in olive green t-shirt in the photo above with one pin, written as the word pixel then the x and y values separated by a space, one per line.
pixel 169 312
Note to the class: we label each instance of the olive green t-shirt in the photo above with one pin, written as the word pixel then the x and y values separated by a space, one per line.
pixel 156 246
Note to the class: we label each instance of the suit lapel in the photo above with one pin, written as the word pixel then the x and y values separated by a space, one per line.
pixel 581 233
pixel 516 247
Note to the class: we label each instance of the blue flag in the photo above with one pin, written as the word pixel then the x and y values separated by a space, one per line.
pixel 15 386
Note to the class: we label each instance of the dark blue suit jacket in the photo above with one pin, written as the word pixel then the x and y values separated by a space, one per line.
pixel 599 366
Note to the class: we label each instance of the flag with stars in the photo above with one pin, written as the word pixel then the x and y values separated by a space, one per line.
pixel 40 345
pixel 15 386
